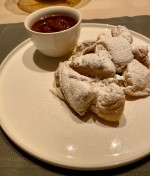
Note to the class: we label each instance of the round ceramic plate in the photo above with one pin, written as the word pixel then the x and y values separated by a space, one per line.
pixel 45 127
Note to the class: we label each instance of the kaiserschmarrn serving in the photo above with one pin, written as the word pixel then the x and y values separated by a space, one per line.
pixel 101 73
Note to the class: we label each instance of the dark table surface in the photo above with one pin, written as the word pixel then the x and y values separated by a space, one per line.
pixel 14 161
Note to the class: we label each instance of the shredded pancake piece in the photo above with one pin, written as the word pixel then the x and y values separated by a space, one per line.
pixel 120 51
pixel 75 88
pixel 122 31
pixel 109 102
pixel 83 48
pixel 141 54
pixel 137 79
pixel 97 65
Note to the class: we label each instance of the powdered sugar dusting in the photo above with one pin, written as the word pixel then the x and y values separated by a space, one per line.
pixel 122 31
pixel 99 64
pixel 120 50
pixel 101 72
pixel 137 79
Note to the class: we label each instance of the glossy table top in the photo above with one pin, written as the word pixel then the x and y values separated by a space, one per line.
pixel 10 13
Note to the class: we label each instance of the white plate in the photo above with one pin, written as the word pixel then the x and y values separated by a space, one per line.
pixel 46 128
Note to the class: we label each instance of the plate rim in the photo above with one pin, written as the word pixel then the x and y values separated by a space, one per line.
pixel 64 164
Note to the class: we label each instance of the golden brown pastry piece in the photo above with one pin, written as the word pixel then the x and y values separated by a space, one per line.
pixel 97 65
pixel 76 88
pixel 120 51
pixel 109 102
pixel 83 48
pixel 123 32
pixel 141 54
pixel 137 79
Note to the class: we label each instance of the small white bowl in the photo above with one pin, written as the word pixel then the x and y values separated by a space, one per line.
pixel 54 44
